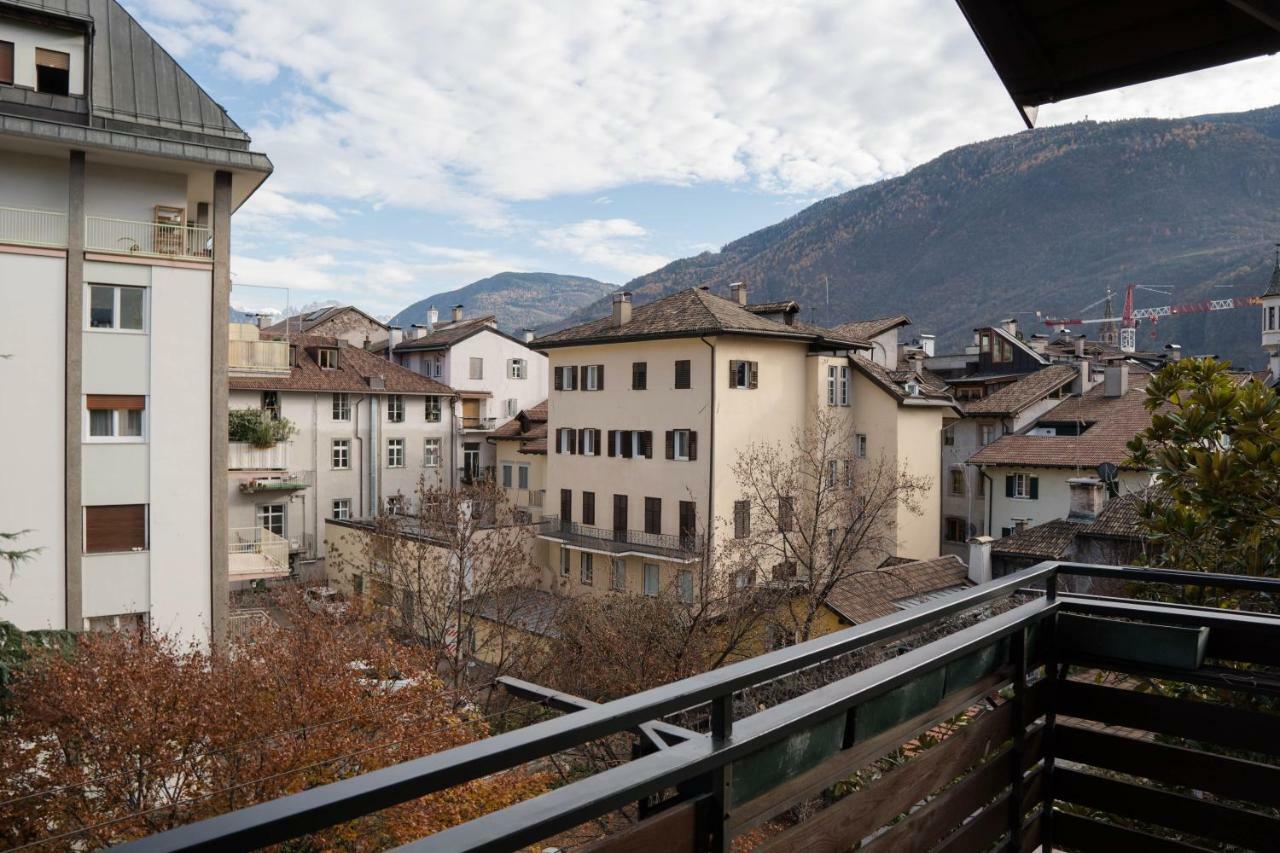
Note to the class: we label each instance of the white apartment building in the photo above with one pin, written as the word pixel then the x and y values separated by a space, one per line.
pixel 118 178
pixel 367 433
pixel 497 375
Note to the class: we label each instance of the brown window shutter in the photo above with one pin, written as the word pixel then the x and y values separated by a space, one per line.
pixel 6 62
pixel 755 374
pixel 115 401
pixel 683 377
pixel 693 445
pixel 646 444
pixel 599 377
pixel 628 440
pixel 596 433
pixel 671 444
pixel 589 509
pixel 115 528
pixel 573 378
pixel 613 435
pixel 559 378
pixel 733 373
pixel 573 440
pixel 619 512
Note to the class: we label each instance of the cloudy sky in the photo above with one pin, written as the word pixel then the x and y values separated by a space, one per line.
pixel 422 145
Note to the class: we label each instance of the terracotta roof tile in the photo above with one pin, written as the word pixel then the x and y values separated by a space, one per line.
pixel 445 335
pixel 863 596
pixel 1049 541
pixel 1032 388
pixel 303 323
pixel 894 380
pixel 1121 516
pixel 532 610
pixel 529 427
pixel 867 329
pixel 355 368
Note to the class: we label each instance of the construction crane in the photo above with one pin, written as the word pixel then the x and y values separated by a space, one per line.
pixel 1130 316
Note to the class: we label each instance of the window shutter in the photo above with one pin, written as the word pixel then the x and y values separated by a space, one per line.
pixel 733 373
pixel 573 378
pixel 1008 485
pixel 582 442
pixel 755 374
pixel 596 437
pixel 95 402
pixel 1035 488
pixel 559 378
pixel 559 439
pixel 573 440
pixel 628 440
pixel 613 437
pixel 693 445
pixel 115 528
pixel 671 444
pixel 646 444
pixel 599 377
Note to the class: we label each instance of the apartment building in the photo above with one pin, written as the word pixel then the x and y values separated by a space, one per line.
pixel 118 179
pixel 651 408
pixel 497 375
pixel 520 447
pixel 367 432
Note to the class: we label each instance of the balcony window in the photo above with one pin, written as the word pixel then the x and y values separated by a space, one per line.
pixel 341 407
pixel 113 529
pixel 6 63
pixel 271 517
pixel 118 308
pixel 618 576
pixel 586 568
pixel 517 368
pixel 651 579
pixel 395 409
pixel 433 410
pixel 341 509
pixel 53 71
pixel 431 453
pixel 395 452
pixel 589 508
pixel 340 454
pixel 115 417
pixel 564 562
pixel 653 515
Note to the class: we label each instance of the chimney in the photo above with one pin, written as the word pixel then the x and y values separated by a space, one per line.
pixel 1083 374
pixel 433 317
pixel 264 320
pixel 621 309
pixel 1079 341
pixel 457 313
pixel 980 559
pixel 528 336
pixel 926 344
pixel 1117 380
pixel 916 360
pixel 1010 326
pixel 738 293
pixel 1174 352
pixel 1088 495
pixel 1020 524
pixel 394 336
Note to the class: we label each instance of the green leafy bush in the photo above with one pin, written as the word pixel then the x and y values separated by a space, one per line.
pixel 258 427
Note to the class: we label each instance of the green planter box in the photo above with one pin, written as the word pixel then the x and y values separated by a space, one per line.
pixel 1169 646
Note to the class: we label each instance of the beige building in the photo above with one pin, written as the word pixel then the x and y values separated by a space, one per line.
pixel 520 447
pixel 651 408
pixel 351 324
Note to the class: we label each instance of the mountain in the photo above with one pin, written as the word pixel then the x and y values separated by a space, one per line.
pixel 519 299
pixel 245 313
pixel 1043 220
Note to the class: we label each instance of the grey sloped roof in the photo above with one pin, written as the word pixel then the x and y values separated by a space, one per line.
pixel 137 87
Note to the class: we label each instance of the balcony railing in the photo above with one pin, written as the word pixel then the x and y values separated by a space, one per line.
pixel 256 553
pixel 276 483
pixel 258 357
pixel 33 227
pixel 684 546
pixel 1027 747
pixel 153 239
pixel 477 423
pixel 243 456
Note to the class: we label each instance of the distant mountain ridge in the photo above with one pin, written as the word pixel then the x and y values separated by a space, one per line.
pixel 1042 220
pixel 519 300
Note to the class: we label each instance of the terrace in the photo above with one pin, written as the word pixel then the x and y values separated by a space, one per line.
pixel 1041 751
pixel 48 229
pixel 684 547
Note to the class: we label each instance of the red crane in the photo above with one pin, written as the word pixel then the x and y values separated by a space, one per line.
pixel 1130 316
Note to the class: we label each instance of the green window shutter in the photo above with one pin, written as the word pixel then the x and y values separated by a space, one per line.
pixel 1008 485
pixel 1035 488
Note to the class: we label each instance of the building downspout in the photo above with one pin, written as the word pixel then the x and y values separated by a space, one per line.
pixel 991 496
pixel 375 422
pixel 711 457
pixel 359 456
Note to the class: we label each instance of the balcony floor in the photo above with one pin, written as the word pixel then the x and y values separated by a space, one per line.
pixel 253 567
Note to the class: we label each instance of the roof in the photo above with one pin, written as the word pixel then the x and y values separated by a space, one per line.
pixel 531 610
pixel 867 329
pixel 863 596
pixel 1049 541
pixel 1274 288
pixel 1113 422
pixel 785 306
pixel 355 368
pixel 1029 389
pixel 686 314
pixel 1046 53
pixel 1121 516
pixel 445 335
pixel 932 391
pixel 313 319
pixel 529 427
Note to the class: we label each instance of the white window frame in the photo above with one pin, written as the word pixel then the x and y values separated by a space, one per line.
pixel 437 367
pixel 431 450
pixel 586 568
pixel 564 562
pixel 860 445
pixel 652 571
pixel 618 574
pixel 476 367
pixel 115 327
pixel 116 437
pixel 432 410
pixel 516 368
pixel 590 376
pixel 327 358
pixel 340 447
pixel 587 442
pixel 1021 487
pixel 395 448
pixel 679 437
pixel 269 510
pixel 395 408
pixel 340 509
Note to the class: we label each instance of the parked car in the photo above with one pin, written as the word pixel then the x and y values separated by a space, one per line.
pixel 325 600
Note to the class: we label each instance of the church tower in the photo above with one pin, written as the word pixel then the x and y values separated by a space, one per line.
pixel 1271 319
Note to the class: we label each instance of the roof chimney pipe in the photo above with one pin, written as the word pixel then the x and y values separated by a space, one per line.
pixel 433 317
pixel 528 336
pixel 738 293
pixel 927 344
pixel 457 313
pixel 1117 380
pixel 621 309
pixel 1174 352
pixel 1079 342
pixel 1088 495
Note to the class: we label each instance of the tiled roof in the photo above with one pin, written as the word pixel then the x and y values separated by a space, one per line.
pixel 688 313
pixel 1274 288
pixel 1030 389
pixel 303 323
pixel 354 370
pixel 894 380
pixel 863 596
pixel 785 306
pixel 867 329
pixel 529 427
pixel 1121 516
pixel 1114 421
pixel 531 610
pixel 1049 541
pixel 445 335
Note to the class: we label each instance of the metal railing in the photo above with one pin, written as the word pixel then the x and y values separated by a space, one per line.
pixel 33 227
pixel 251 542
pixel 476 423
pixel 997 777
pixel 154 239
pixel 245 357
pixel 619 541
pixel 282 482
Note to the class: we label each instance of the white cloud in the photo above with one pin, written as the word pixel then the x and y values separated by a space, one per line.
pixel 613 243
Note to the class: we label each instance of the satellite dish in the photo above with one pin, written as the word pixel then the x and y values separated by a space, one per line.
pixel 1107 472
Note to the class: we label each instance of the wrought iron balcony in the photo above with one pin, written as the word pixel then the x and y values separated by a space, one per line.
pixel 682 547
pixel 1002 736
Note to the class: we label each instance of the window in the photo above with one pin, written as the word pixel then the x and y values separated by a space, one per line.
pixel 684 581
pixel 1271 309
pixel 119 308
pixel 586 567
pixel 566 378
pixel 433 410
pixel 53 71
pixel 593 377
pixel 989 434
pixel 955 531
pixel 618 576
pixel 511 406
pixel 6 62
pixel 395 504
pixel 111 529
pixel 949 437
pixel 340 454
pixel 957 481
pixel 1003 351
pixel 566 506
pixel 985 346
pixel 506 475
pixel 271 404
pixel 682 445
pixel 833 473
pixel 564 562
pixel 436 366
pixel 522 476
pixel 516 368
pixel 115 416
pixel 741 519
pixel 786 514
pixel 860 445
pixel 588 439
pixel 688 518
pixel 341 509
pixel 271 517
pixel 982 485
pixel 477 367
pixel 651 579
pixel 1022 486
pixel 639 375
pixel 395 452
pixel 566 440
pixel 395 409
pixel 431 453
pixel 341 407
pixel 619 512
pixel 327 358
pixel 589 509
pixel 653 515
pixel 837 385
pixel 683 375
pixel 744 374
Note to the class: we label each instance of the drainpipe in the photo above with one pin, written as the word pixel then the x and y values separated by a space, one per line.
pixel 375 422
pixel 455 404
pixel 991 495
pixel 711 459
pixel 355 430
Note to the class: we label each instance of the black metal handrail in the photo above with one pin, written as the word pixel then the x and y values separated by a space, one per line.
pixel 568 806
pixel 619 540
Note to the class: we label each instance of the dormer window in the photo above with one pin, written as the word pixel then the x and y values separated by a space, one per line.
pixel 53 71
pixel 327 358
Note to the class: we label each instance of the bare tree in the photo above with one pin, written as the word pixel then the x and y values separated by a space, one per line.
pixel 813 511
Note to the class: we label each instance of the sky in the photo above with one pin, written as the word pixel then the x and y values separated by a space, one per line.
pixel 420 146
